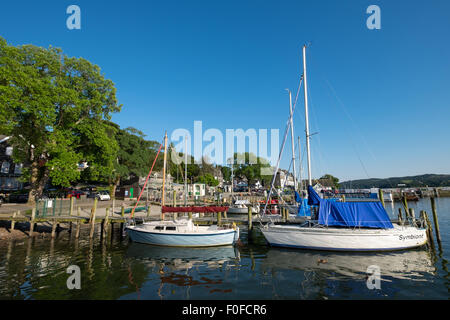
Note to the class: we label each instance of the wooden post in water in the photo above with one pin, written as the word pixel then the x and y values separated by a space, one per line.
pixel 105 228
pixel 381 196
pixel 429 229
pixel 92 222
pixel 33 217
pixel 250 221
pixel 405 204
pixel 412 215
pixel 54 225
pixel 148 210
pixel 77 231
pixel 343 198
pixel 435 218
pixel 122 213
pixel 13 221
pixel 190 215
pixel 219 218
pixel 400 219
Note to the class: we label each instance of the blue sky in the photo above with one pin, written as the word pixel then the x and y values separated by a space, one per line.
pixel 379 99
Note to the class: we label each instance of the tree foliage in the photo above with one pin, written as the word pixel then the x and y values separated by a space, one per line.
pixel 57 110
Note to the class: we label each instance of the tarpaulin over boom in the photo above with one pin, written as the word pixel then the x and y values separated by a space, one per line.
pixel 194 209
pixel 354 214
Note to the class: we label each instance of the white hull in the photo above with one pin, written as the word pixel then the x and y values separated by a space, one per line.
pixel 344 239
pixel 184 235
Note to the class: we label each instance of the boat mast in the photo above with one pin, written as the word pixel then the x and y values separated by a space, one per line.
pixel 292 138
pixel 306 117
pixel 300 166
pixel 185 171
pixel 164 172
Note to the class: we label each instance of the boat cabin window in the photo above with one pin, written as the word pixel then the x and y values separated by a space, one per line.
pixel 171 228
pixel 159 228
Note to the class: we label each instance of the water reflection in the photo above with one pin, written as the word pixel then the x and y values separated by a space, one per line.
pixel 405 265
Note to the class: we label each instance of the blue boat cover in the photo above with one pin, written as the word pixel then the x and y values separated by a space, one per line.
pixel 350 214
pixel 297 197
pixel 354 214
pixel 304 209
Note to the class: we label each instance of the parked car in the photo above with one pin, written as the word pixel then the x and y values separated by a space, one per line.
pixel 75 193
pixel 103 195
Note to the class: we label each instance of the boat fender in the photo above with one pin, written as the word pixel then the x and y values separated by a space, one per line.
pixel 234 226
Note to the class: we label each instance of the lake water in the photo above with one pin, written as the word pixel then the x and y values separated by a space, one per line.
pixel 36 269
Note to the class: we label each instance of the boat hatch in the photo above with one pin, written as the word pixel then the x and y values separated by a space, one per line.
pixel 171 228
pixel 159 228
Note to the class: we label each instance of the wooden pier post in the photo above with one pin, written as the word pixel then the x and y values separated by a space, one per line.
pixel 250 220
pixel 412 215
pixel 92 222
pixel 148 211
pixel 71 206
pixel 219 218
pixel 13 221
pixel 106 223
pixel 190 215
pixel 54 225
pixel 122 213
pixel 435 218
pixel 33 217
pixel 405 204
pixel 78 211
pixel 381 196
pixel 77 231
pixel 400 218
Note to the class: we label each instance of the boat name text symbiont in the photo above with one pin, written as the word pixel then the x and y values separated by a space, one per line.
pixel 410 237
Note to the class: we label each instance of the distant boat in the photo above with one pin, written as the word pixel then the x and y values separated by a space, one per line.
pixel 240 207
pixel 342 226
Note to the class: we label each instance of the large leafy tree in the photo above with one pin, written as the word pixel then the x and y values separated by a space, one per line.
pixel 250 167
pixel 134 157
pixel 57 109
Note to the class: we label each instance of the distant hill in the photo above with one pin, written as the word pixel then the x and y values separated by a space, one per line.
pixel 430 180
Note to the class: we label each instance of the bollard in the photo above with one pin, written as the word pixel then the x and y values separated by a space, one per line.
pixel 435 218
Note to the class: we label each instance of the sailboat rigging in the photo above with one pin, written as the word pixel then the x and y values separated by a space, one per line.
pixel 342 226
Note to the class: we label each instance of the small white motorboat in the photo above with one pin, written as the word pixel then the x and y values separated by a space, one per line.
pixel 182 233
pixel 241 207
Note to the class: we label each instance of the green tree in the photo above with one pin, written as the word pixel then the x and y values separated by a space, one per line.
pixel 208 179
pixel 250 167
pixel 134 157
pixel 331 180
pixel 57 109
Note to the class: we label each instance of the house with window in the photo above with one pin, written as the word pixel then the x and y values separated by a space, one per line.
pixel 10 172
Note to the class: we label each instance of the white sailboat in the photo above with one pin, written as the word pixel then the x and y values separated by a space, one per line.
pixel 180 232
pixel 346 226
